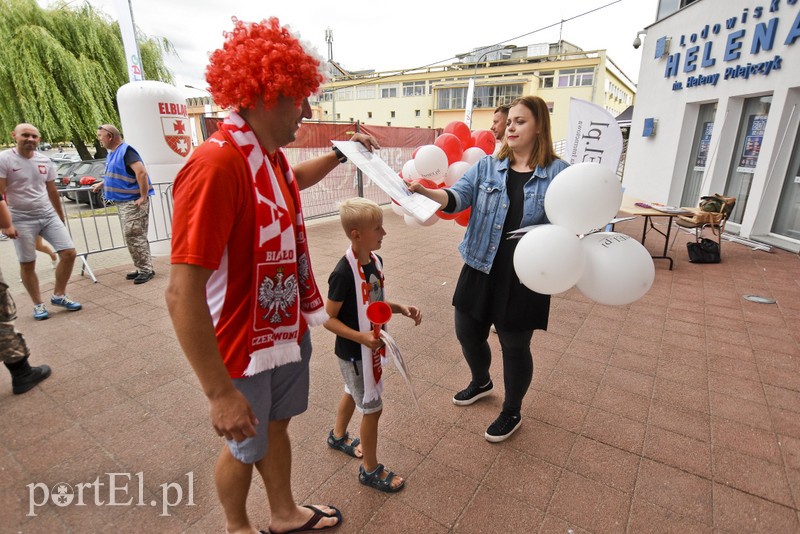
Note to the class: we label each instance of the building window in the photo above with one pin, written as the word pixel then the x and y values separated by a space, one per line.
pixel 416 113
pixel 369 114
pixel 388 91
pixel 430 113
pixel 338 116
pixel 491 96
pixel 576 77
pixel 391 114
pixel 550 106
pixel 346 93
pixel 414 88
pixel 352 120
pixel 388 123
pixel 451 98
pixel 365 92
pixel 546 79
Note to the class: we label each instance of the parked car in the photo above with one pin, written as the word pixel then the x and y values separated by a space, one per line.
pixel 85 174
pixel 63 173
pixel 44 145
pixel 58 157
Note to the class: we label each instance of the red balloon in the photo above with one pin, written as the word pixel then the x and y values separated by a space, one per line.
pixel 460 130
pixel 451 146
pixel 463 217
pixel 446 216
pixel 485 140
pixel 413 154
pixel 428 184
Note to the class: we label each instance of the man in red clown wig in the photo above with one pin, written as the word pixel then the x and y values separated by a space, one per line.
pixel 241 290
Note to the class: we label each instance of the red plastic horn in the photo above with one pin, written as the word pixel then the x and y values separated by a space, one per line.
pixel 378 314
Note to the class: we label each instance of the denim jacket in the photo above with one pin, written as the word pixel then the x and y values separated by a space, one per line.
pixel 483 187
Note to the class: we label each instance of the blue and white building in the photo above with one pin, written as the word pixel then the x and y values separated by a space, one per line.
pixel 717 112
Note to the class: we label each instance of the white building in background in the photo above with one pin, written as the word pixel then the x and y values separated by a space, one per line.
pixel 717 112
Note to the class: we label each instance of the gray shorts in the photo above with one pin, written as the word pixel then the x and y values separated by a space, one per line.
pixel 46 224
pixel 273 395
pixel 353 374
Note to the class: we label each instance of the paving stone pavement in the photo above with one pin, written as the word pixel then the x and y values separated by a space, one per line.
pixel 678 413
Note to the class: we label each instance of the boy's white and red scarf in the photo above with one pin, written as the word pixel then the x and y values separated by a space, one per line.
pixel 281 264
pixel 371 362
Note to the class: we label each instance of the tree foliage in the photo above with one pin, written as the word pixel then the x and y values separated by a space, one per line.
pixel 60 68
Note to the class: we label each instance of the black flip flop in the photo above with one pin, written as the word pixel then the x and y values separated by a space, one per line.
pixel 309 526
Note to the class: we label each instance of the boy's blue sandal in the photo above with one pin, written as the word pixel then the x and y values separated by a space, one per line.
pixel 340 444
pixel 373 479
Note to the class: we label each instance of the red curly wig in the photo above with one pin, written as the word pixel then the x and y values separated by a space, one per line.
pixel 261 61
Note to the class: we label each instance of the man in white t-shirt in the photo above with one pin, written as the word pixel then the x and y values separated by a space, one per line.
pixel 27 179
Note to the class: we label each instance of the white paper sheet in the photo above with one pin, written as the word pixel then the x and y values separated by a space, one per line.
pixel 420 207
pixel 393 352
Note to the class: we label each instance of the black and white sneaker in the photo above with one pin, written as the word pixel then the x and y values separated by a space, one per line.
pixel 502 428
pixel 465 397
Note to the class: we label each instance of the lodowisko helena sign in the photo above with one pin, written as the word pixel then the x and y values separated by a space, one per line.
pixel 737 47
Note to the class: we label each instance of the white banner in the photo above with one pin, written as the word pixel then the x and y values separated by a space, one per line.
pixel 468 103
pixel 594 135
pixel 125 17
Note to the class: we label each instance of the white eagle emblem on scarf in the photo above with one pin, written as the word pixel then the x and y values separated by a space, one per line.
pixel 277 295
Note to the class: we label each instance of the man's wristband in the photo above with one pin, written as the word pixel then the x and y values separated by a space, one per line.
pixel 339 155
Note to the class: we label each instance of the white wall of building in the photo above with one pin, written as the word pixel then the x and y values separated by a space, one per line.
pixel 657 166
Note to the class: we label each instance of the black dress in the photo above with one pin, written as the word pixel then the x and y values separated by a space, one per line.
pixel 499 297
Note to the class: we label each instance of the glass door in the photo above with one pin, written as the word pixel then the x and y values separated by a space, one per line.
pixel 699 159
pixel 787 218
pixel 748 148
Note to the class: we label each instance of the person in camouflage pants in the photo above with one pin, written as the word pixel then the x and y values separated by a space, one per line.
pixel 13 349
pixel 127 183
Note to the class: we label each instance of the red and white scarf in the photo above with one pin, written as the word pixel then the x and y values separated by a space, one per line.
pixel 283 284
pixel 371 362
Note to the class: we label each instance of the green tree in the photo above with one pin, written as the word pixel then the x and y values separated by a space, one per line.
pixel 60 68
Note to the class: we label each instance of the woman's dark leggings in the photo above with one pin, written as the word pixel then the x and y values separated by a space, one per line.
pixel 517 358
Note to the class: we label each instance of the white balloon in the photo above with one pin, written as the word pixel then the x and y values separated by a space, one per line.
pixel 549 259
pixel 583 197
pixel 412 221
pixel 410 171
pixel 619 270
pixel 431 163
pixel 472 155
pixel 455 171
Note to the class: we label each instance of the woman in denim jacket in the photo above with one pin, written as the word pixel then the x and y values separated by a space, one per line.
pixel 505 193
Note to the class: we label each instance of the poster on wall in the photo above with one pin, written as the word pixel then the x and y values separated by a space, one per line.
pixel 702 147
pixel 752 143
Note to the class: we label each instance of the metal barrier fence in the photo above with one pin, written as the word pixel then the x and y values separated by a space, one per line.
pixel 96 228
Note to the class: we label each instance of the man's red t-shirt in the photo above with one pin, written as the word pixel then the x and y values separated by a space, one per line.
pixel 213 227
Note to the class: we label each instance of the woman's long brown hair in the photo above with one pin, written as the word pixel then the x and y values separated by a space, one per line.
pixel 542 153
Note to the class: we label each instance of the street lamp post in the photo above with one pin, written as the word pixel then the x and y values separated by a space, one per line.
pixel 471 87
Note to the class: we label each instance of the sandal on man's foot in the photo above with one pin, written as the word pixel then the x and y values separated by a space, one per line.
pixel 373 479
pixel 316 518
pixel 340 444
